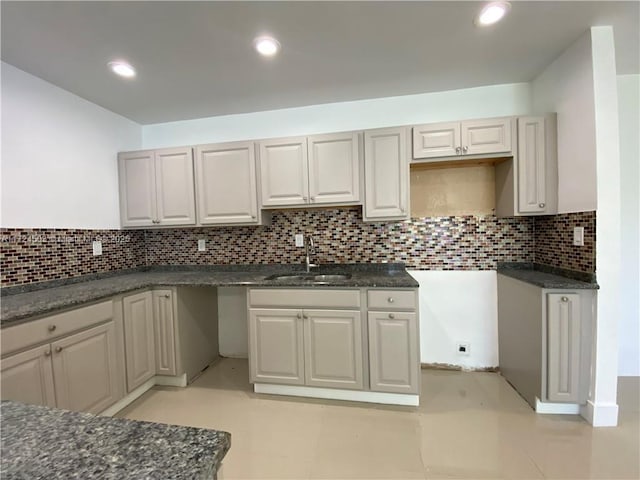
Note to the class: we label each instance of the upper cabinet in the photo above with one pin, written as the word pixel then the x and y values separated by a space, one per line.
pixel 528 184
pixel 156 188
pixel 441 141
pixel 226 184
pixel 386 171
pixel 315 170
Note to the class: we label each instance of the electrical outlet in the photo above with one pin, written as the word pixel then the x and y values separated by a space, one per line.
pixel 97 248
pixel 299 240
pixel 202 245
pixel 578 236
pixel 463 348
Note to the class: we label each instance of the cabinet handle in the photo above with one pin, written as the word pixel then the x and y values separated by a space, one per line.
pixel 47 353
pixel 312 199
pixel 565 299
pixel 253 217
pixel 166 295
pixel 541 205
pixel 58 349
pixel 392 316
pixel 304 199
pixel 52 328
pixel 457 149
pixel 304 316
pixel 390 299
pixel 465 148
pixel 299 315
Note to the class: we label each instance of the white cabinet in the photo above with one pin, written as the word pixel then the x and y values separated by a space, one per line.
pixel 276 346
pixel 84 368
pixel 316 340
pixel 470 137
pixel 386 172
pixel 333 348
pixel 544 340
pixel 226 184
pixel 394 341
pixel 316 170
pixel 156 188
pixel 528 184
pixel 563 347
pixel 164 332
pixel 76 366
pixel 28 377
pixel 139 339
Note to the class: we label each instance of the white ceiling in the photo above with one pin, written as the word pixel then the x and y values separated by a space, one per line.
pixel 195 59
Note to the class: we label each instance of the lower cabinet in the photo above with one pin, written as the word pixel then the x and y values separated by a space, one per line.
pixel 321 348
pixel 78 371
pixel 139 339
pixel 544 340
pixel 347 339
pixel 84 368
pixel 394 361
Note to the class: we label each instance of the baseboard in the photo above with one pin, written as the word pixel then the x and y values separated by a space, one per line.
pixel 457 368
pixel 167 381
pixel 163 380
pixel 336 394
pixel 129 398
pixel 600 414
pixel 555 408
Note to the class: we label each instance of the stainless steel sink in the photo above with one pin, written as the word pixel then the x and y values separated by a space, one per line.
pixel 310 277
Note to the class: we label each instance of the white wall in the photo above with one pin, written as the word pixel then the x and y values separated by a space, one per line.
pixel 566 87
pixel 58 164
pixel 482 102
pixel 458 306
pixel 629 324
pixel 233 334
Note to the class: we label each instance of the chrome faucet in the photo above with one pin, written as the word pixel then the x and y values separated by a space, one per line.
pixel 309 248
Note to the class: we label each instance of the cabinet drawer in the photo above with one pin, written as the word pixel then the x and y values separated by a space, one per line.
pixel 391 299
pixel 48 328
pixel 299 298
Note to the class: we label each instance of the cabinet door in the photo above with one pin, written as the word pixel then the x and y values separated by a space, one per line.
pixel 226 183
pixel 486 136
pixel 138 339
pixel 164 332
pixel 276 346
pixel 436 140
pixel 334 168
pixel 333 348
pixel 531 165
pixel 28 377
pixel 284 172
pixel 174 183
pixel 85 369
pixel 563 347
pixel 393 352
pixel 386 173
pixel 137 180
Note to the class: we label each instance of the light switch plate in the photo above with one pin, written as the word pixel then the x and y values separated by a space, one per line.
pixel 299 240
pixel 202 245
pixel 578 236
pixel 97 248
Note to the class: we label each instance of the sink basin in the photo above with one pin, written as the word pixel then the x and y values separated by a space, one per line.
pixel 309 277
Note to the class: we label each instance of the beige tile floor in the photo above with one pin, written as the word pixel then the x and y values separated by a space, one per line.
pixel 469 425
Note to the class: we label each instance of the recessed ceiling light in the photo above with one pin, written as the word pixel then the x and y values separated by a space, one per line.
pixel 122 68
pixel 267 46
pixel 492 12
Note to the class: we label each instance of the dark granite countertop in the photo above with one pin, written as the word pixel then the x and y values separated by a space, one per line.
pixel 48 443
pixel 548 277
pixel 20 305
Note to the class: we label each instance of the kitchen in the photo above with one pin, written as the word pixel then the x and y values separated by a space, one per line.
pixel 84 201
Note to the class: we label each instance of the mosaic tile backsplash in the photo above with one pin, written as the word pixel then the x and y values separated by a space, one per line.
pixel 554 241
pixel 436 243
pixel 34 255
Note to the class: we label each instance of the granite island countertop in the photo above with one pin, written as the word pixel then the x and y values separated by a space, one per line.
pixel 19 305
pixel 48 443
pixel 548 277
